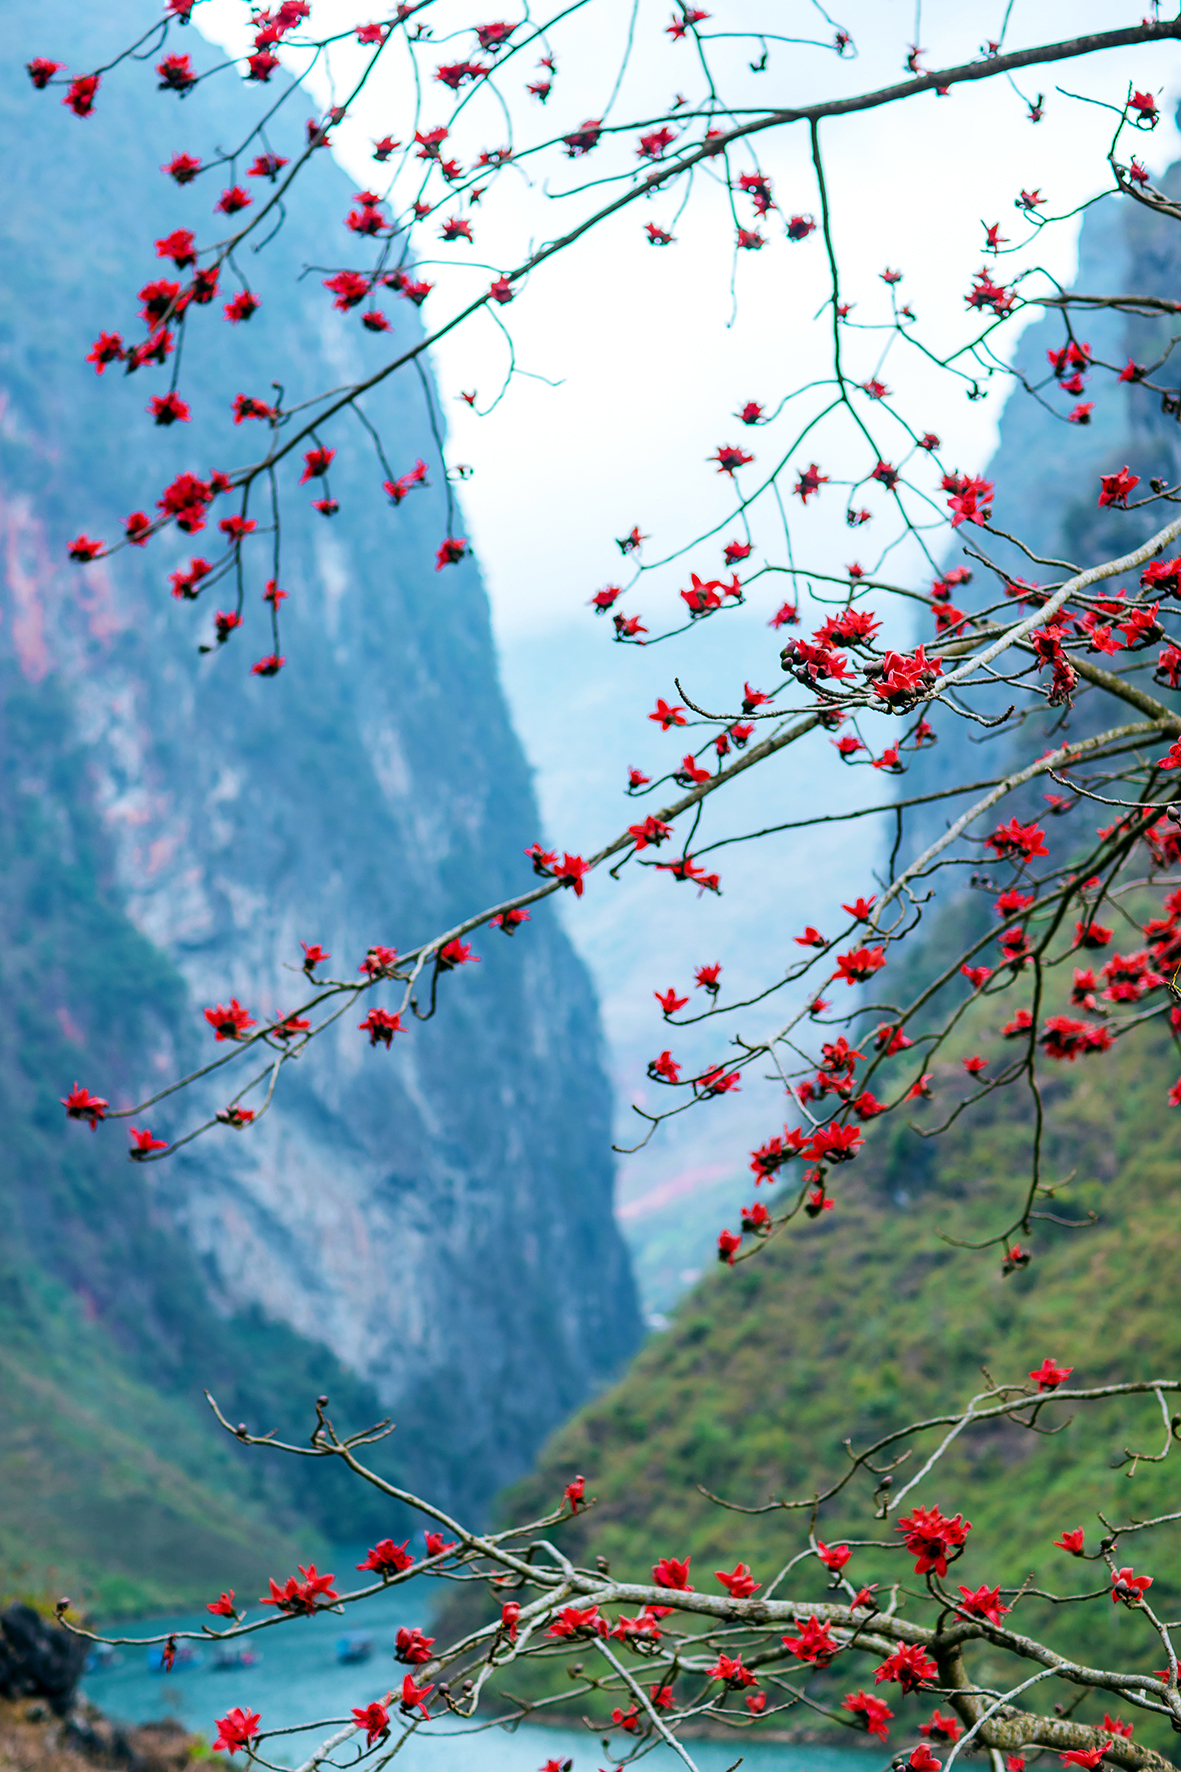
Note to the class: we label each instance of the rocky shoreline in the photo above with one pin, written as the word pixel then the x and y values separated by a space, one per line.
pixel 34 1739
pixel 48 1725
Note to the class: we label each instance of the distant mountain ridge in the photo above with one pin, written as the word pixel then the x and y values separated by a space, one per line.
pixel 432 1227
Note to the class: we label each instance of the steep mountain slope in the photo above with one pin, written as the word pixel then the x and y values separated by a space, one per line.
pixel 874 1316
pixel 436 1221
pixel 109 1470
pixel 867 1319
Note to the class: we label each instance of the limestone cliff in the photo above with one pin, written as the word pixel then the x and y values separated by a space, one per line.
pixel 438 1217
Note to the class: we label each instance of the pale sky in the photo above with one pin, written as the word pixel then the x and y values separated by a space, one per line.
pixel 639 339
pixel 651 362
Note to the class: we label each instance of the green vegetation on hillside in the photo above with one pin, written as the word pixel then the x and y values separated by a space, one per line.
pixel 101 1512
pixel 864 1320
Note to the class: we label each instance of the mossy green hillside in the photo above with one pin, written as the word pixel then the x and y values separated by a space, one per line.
pixel 850 1326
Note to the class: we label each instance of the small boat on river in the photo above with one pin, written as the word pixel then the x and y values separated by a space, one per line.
pixel 353 1647
pixel 229 1658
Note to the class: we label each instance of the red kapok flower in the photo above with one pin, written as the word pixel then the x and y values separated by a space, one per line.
pixel 929 1536
pixel 41 72
pixel 1050 1375
pixel 143 1144
pixel 306 1596
pixel 673 1572
pixel 983 1602
pixel 231 1023
pixel 739 1583
pixel 374 1719
pixel 80 1104
pixel 415 1697
pixel 387 1558
pixel 80 95
pixel 450 552
pixel 379 1024
pixel 236 1729
pixel 1116 487
pixel 940 1728
pixel 1128 1587
pixel 909 1664
pixel 410 1645
pixel 814 1643
pixel 874 1714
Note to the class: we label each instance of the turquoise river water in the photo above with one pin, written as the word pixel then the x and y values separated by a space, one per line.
pixel 299 1680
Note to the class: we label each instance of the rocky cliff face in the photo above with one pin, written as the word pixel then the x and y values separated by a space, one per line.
pixel 440 1217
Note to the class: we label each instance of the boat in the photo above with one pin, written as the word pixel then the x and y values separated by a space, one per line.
pixel 353 1647
pixel 228 1660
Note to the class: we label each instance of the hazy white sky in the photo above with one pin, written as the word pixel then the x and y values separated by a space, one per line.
pixel 640 340
pixel 652 357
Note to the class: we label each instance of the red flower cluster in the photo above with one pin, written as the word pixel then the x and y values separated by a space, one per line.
pixel 569 872
pixel 1130 977
pixel 374 1719
pixel 1015 840
pixel 731 1670
pixel 236 1729
pixel 904 676
pixel 187 500
pixel 411 1646
pixel 932 1539
pixel 573 1623
pixel 397 489
pixel 80 1104
pixel 306 1596
pixel 387 1558
pixel 771 1156
pixel 231 1023
pixel 860 964
pixel 812 664
pixel 909 1664
pixel 739 1583
pixel 983 1602
pixel 814 1643
pixel 875 1715
pixel 1064 1037
pixel 379 1024
pixel 984 293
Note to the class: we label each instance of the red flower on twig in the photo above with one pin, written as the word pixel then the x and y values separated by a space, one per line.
pixel 236 1729
pixel 80 1104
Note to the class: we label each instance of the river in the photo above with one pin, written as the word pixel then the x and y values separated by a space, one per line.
pixel 298 1679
